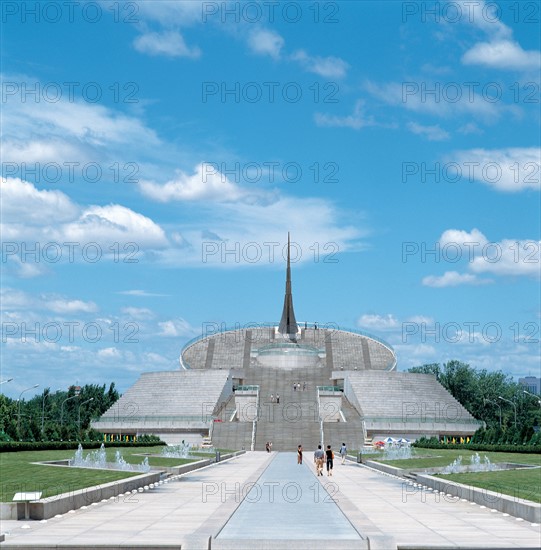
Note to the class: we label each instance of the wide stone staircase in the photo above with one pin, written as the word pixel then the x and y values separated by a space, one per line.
pixel 292 421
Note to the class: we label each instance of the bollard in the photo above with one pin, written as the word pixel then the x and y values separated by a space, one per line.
pixel 360 458
pixel 217 456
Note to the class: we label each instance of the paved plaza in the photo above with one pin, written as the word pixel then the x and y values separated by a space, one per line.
pixel 261 500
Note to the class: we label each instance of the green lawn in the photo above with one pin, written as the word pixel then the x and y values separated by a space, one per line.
pixel 522 484
pixel 18 474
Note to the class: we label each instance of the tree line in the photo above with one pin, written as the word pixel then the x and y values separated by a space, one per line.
pixel 56 416
pixel 511 416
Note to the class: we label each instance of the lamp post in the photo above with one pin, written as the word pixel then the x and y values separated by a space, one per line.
pixel 79 415
pixel 5 381
pixel 19 409
pixel 62 408
pixel 533 395
pixel 512 403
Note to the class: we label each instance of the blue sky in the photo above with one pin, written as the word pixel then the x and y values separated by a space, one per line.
pixel 155 155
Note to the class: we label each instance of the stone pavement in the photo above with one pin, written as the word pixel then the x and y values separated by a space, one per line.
pixel 381 512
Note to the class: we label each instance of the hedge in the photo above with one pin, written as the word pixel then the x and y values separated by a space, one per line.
pixel 15 446
pixel 427 444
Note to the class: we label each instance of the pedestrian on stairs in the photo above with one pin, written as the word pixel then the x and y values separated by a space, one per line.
pixel 277 399
pixel 272 398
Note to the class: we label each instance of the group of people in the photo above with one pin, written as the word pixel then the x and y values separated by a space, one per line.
pixel 268 446
pixel 273 399
pixel 322 457
pixel 297 386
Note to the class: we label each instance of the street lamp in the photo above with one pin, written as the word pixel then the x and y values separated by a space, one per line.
pixel 19 409
pixel 4 381
pixel 512 403
pixel 533 395
pixel 79 415
pixel 62 408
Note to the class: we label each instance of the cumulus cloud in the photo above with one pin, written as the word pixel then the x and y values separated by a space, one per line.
pixel 511 170
pixel 176 328
pixel 206 183
pixel 265 42
pixel 503 54
pixel 378 322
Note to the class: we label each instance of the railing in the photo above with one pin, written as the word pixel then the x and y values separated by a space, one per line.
pixel 421 420
pixel 254 423
pixel 329 388
pixel 321 433
pixel 148 418
pixel 332 327
pixel 247 388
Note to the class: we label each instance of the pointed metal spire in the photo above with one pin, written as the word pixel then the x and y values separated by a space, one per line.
pixel 288 324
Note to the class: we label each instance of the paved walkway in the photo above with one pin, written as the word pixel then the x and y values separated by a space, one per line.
pixel 207 503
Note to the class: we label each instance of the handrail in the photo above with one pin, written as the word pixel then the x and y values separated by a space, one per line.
pixel 250 326
pixel 421 419
pixel 329 388
pixel 145 418
pixel 254 422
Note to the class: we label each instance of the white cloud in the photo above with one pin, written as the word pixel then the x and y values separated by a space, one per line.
pixel 327 67
pixel 453 278
pixel 509 257
pixel 70 306
pixel 432 133
pixel 138 292
pixel 467 240
pixel 356 121
pixel 109 353
pixel 511 170
pixel 168 43
pixel 412 95
pixel 378 322
pixel 265 42
pixel 206 183
pixel 176 328
pixel 500 51
pixel 503 54
pixel 137 312
pixel 22 201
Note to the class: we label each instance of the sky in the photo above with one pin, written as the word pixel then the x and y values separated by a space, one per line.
pixel 155 155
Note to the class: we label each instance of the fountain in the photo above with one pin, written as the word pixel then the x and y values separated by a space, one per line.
pixel 98 459
pixel 476 465
pixel 176 451
pixel 397 452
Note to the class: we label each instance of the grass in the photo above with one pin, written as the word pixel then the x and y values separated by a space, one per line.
pixel 18 474
pixel 524 484
pixel 521 484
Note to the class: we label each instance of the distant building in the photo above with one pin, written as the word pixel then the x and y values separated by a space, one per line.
pixel 531 384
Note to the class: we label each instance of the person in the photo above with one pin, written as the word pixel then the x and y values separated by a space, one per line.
pixel 343 452
pixel 330 457
pixel 299 454
pixel 295 386
pixel 272 398
pixel 270 445
pixel 318 459
pixel 304 386
pixel 267 447
pixel 277 399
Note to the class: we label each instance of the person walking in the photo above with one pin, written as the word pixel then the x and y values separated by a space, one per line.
pixel 343 452
pixel 299 454
pixel 272 398
pixel 330 460
pixel 318 459
pixel 267 447
pixel 277 399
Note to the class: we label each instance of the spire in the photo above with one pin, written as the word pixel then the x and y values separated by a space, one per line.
pixel 288 324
